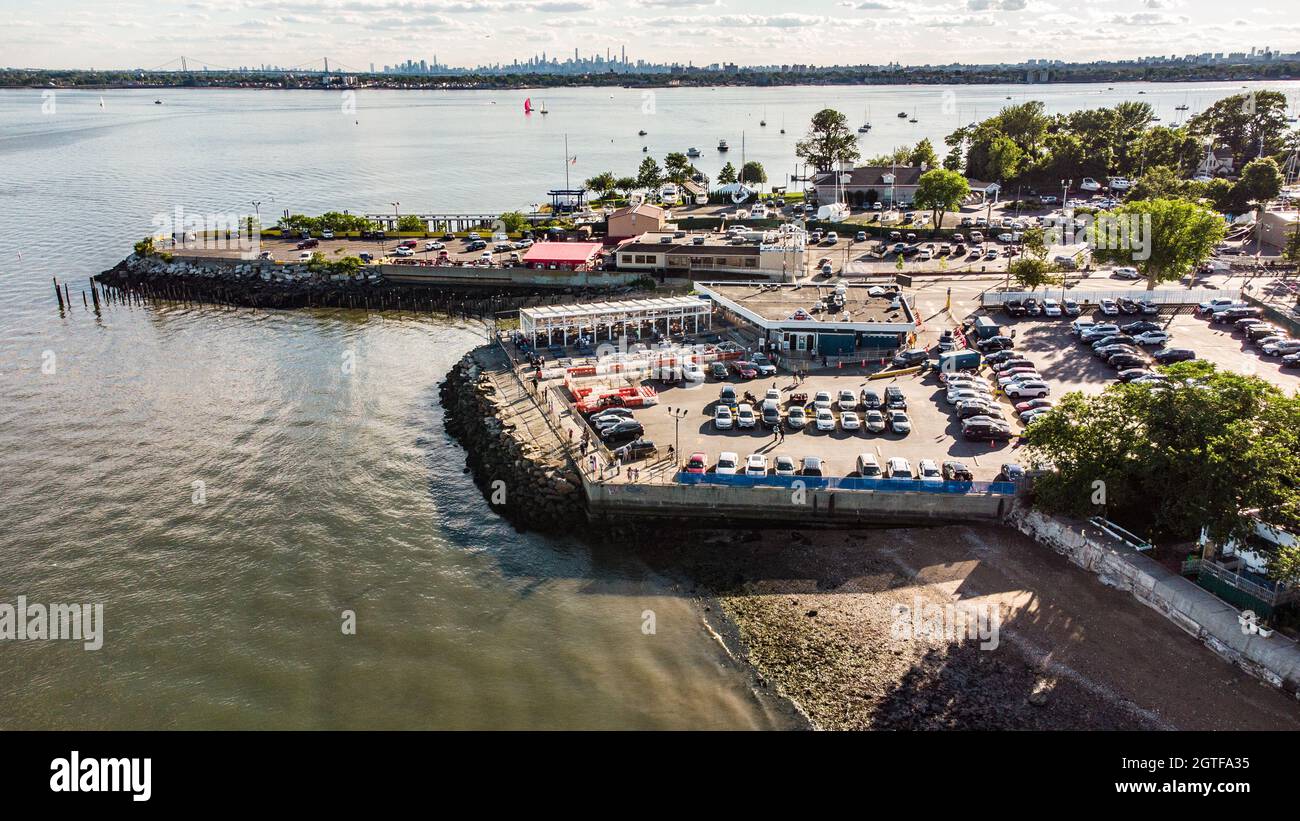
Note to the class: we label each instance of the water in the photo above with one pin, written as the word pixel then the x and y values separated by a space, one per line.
pixel 328 490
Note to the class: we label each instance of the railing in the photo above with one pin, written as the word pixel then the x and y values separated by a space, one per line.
pixel 1273 595
pixel 848 483
pixel 1160 296
pixel 1116 532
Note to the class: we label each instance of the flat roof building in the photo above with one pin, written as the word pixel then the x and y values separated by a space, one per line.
pixel 570 256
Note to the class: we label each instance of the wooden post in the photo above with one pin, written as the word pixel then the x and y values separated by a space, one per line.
pixel 57 293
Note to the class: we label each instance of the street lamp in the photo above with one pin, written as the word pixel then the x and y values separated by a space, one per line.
pixel 395 217
pixel 678 414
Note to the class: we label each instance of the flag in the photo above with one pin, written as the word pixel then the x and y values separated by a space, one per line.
pixel 573 160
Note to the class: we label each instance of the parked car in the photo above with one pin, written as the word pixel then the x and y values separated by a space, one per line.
pixel 784 466
pixel 1109 307
pixel 1131 374
pixel 624 431
pixel 825 420
pixel 697 463
pixel 1051 307
pixel 746 370
pixel 954 471
pixel 1070 307
pixel 1151 338
pixel 728 463
pixel 871 400
pixel 811 466
pixel 717 370
pixel 1126 273
pixel 639 449
pixel 974 407
pixel 1032 389
pixel 847 400
pixel 874 421
pixel 849 421
pixel 896 467
pixel 1283 346
pixel 1139 327
pixel 1123 359
pixel 894 398
pixel 771 415
pixel 796 418
pixel 899 422
pixel 722 418
pixel 1167 356
pixel 995 343
pixel 756 465
pixel 868 466
pixel 983 427
pixel 745 416
pixel 928 471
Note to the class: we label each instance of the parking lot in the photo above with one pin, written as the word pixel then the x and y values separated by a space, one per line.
pixel 935 434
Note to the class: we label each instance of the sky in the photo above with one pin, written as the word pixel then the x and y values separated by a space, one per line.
pixel 355 33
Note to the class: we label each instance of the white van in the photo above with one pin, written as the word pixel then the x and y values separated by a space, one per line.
pixel 868 467
pixel 898 468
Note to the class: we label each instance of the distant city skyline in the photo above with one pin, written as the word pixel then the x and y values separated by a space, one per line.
pixel 506 34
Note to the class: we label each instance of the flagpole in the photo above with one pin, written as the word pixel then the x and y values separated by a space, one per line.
pixel 566 162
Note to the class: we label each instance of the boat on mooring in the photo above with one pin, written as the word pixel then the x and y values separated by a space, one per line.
pixel 692 152
pixel 722 145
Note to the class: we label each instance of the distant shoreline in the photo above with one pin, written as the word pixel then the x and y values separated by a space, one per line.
pixel 1082 74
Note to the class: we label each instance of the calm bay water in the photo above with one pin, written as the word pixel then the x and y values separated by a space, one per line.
pixel 327 490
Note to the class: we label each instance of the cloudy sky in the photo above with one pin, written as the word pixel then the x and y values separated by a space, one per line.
pixel 356 33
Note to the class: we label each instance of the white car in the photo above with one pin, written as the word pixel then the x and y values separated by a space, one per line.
pixel 784 466
pixel 875 421
pixel 929 471
pixel 959 382
pixel 825 419
pixel 822 400
pixel 1018 375
pixel 756 465
pixel 1031 389
pixel 969 395
pixel 1051 307
pixel 898 468
pixel 1151 338
pixel 692 372
pixel 1089 184
pixel 403 252
pixel 868 467
pixel 848 400
pixel 722 418
pixel 745 416
pixel 727 463
pixel 1109 308
pixel 849 421
pixel 899 421
pixel 1127 272
pixel 433 245
pixel 1119 183
pixel 1282 346
pixel 327 234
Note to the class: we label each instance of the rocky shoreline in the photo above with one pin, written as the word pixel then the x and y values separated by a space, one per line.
pixel 268 285
pixel 537 491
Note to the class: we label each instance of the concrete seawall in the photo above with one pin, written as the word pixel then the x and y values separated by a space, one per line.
pixel 781 506
pixel 1197 611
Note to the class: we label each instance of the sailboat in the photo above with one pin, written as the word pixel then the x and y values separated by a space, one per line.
pixel 528 105
pixel 866 124
pixel 101 102
pixel 544 111
pixel 763 122
pixel 782 124
pixel 1182 107
pixel 913 117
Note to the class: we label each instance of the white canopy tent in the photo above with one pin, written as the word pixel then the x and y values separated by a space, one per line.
pixel 615 318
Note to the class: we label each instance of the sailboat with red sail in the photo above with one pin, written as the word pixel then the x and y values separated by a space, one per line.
pixel 528 106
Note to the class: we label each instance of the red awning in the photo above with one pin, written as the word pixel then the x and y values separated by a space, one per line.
pixel 561 253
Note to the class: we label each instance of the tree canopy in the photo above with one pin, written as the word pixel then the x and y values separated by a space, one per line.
pixel 828 141
pixel 1170 459
pixel 940 191
pixel 1167 238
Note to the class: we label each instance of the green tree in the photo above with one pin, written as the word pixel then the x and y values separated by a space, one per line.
pixel 411 223
pixel 625 185
pixel 1261 180
pixel 145 248
pixel 1167 238
pixel 1005 159
pixel 677 167
pixel 514 222
pixel 1246 124
pixel 940 191
pixel 602 183
pixel 727 175
pixel 649 175
pixel 923 155
pixel 828 141
pixel 1160 182
pixel 752 172
pixel 1031 273
pixel 1169 460
pixel 1034 242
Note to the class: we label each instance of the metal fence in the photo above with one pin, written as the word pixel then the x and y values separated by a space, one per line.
pixel 1160 296
pixel 848 483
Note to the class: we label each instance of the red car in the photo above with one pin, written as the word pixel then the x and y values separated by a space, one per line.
pixel 1033 403
pixel 698 463
pixel 407 243
pixel 747 369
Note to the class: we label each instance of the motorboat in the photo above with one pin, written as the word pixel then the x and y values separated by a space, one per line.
pixel 692 152
pixel 722 145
